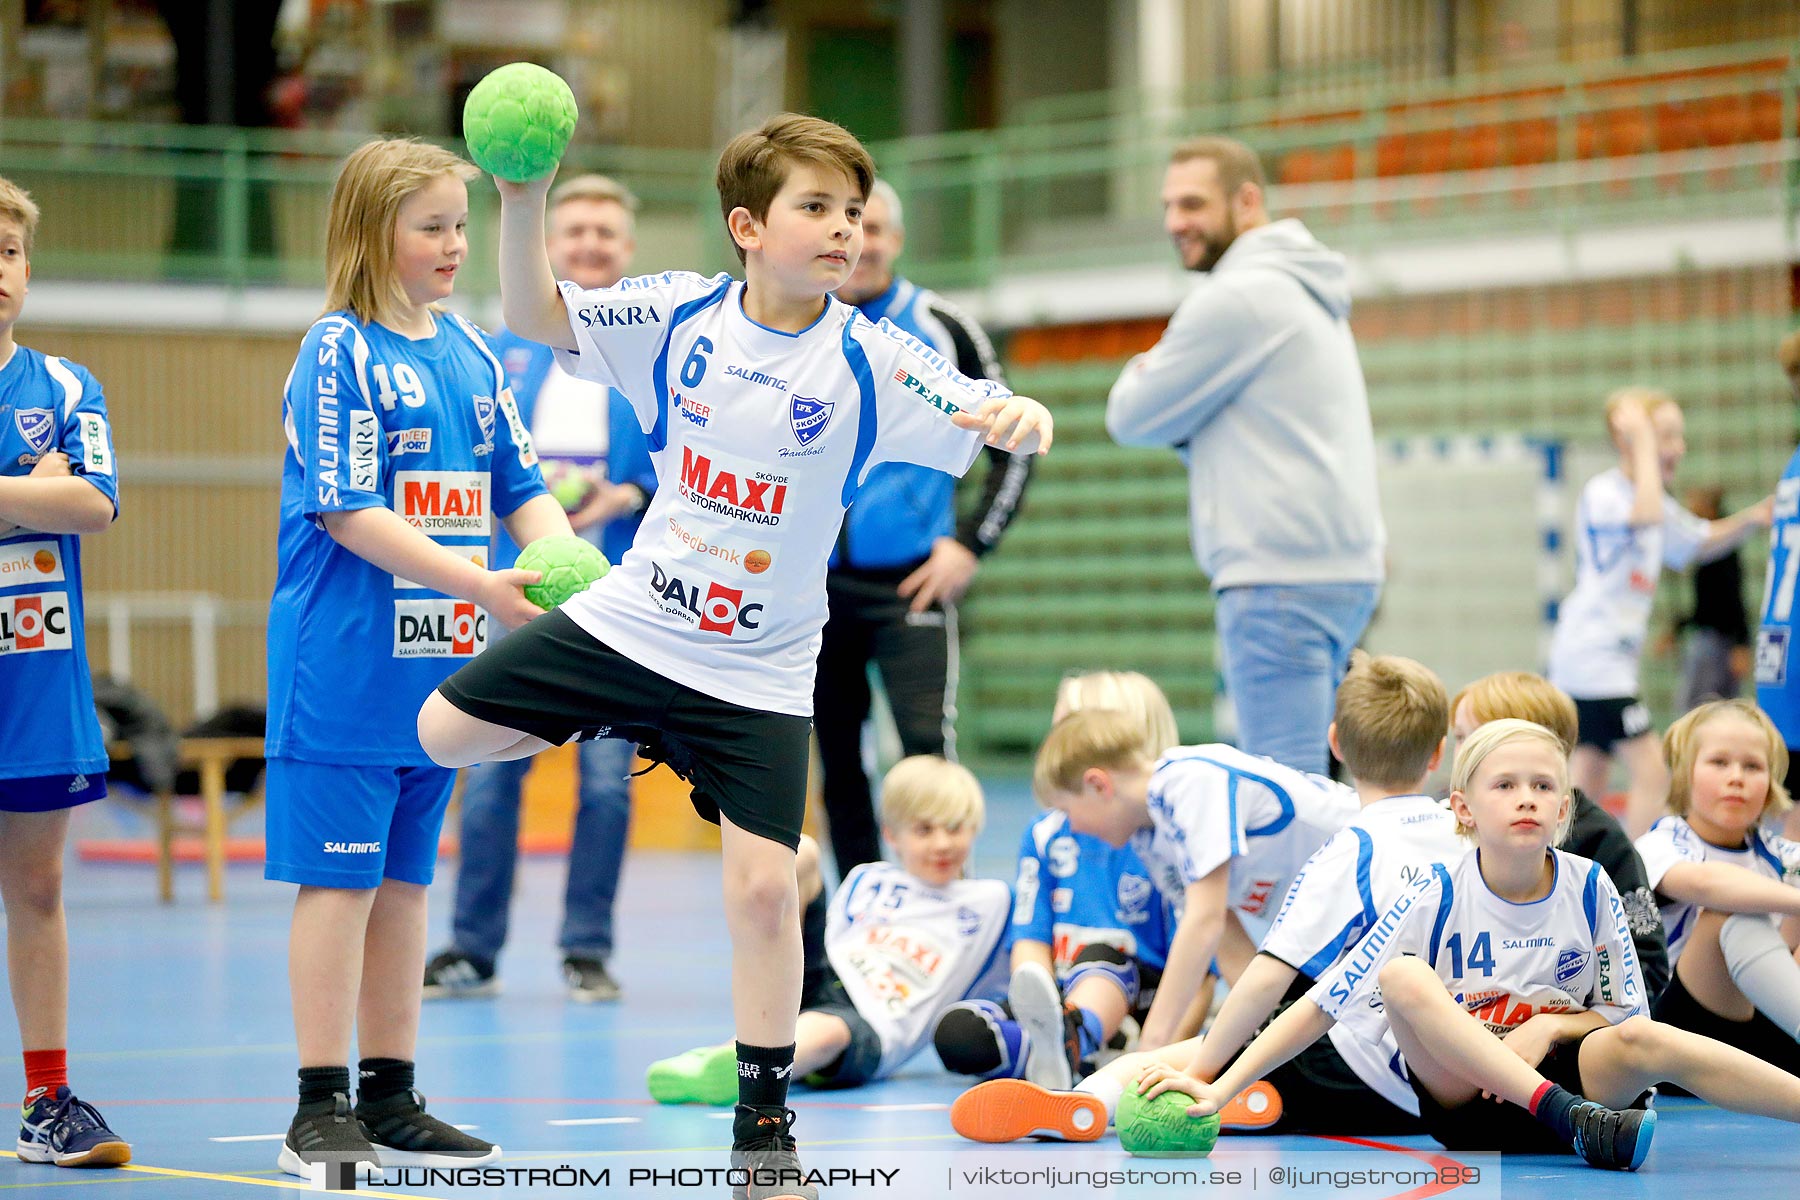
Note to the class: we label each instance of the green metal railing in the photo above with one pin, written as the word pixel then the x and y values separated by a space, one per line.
pixel 1076 187
pixel 1098 571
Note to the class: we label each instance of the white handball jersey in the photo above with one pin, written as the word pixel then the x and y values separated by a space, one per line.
pixel 1390 846
pixel 906 950
pixel 1503 962
pixel 1672 840
pixel 1600 628
pixel 1215 804
pixel 760 440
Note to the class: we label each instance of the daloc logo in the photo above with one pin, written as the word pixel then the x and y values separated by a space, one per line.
pixel 809 416
pixel 38 425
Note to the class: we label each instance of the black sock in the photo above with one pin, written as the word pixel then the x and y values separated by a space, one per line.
pixel 814 964
pixel 1552 1105
pixel 763 1075
pixel 382 1079
pixel 319 1084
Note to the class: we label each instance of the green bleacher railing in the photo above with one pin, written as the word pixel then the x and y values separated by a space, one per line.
pixel 1098 572
pixel 1077 187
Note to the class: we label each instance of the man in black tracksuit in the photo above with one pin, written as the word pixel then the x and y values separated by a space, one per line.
pixel 902 561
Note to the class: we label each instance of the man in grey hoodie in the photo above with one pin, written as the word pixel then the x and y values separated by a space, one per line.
pixel 1257 385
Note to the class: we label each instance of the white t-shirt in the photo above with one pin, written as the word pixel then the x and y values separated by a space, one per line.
pixel 1502 962
pixel 1341 892
pixel 1672 840
pixel 906 950
pixel 1600 628
pixel 1215 804
pixel 760 440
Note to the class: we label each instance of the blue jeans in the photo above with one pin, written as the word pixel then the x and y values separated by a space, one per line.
pixel 1284 648
pixel 490 850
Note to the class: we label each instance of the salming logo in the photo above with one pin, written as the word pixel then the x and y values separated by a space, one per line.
pixel 353 847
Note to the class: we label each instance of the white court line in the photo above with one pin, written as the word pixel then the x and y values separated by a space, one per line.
pixel 721 1116
pixel 597 1121
pixel 904 1107
pixel 250 1137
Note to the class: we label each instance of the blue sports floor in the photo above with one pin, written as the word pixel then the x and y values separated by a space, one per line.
pixel 181 1031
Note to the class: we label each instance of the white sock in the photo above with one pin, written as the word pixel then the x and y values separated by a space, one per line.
pixel 1107 1089
pixel 1763 968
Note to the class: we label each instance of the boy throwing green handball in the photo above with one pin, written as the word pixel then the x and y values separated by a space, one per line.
pixel 567 563
pixel 517 121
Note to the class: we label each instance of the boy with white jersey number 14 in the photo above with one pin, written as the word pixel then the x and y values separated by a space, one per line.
pixel 766 402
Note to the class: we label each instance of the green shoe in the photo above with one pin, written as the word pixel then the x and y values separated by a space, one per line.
pixel 707 1075
pixel 1161 1128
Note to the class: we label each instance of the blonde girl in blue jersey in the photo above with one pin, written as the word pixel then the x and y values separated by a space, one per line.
pixel 1582 1074
pixel 402 443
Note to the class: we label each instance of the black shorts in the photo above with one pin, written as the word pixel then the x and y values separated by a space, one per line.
pixel 862 1057
pixel 1603 724
pixel 1758 1037
pixel 1321 1094
pixel 553 680
pixel 1484 1124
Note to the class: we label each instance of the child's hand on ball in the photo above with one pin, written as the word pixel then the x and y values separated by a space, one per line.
pixel 502 594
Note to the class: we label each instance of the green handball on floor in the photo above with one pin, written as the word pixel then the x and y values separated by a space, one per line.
pixel 517 121
pixel 1161 1128
pixel 568 564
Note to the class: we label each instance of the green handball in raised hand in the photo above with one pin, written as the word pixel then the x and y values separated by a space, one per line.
pixel 517 121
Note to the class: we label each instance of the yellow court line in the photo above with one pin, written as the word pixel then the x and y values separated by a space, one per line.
pixel 290 1184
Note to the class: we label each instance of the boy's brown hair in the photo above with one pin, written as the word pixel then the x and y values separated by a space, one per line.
pixel 17 206
pixel 1681 747
pixel 1237 163
pixel 1391 717
pixel 757 162
pixel 1525 696
pixel 1089 737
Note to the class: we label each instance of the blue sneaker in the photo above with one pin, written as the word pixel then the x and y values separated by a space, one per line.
pixel 70 1133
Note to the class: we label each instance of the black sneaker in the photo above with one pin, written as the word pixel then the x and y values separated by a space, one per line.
pixel 588 981
pixel 328 1137
pixel 764 1165
pixel 1610 1138
pixel 405 1135
pixel 454 975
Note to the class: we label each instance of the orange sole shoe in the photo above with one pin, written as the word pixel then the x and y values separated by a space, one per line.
pixel 1005 1110
pixel 1256 1107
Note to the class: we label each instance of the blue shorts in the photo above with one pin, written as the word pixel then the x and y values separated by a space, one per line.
pixel 48 793
pixel 352 827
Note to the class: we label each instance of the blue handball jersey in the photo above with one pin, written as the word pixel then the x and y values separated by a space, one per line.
pixel 1777 684
pixel 1075 891
pixel 428 429
pixel 47 721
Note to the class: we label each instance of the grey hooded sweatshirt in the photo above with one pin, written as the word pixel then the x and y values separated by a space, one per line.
pixel 1257 384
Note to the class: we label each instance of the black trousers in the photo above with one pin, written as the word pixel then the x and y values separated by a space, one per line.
pixel 916 655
